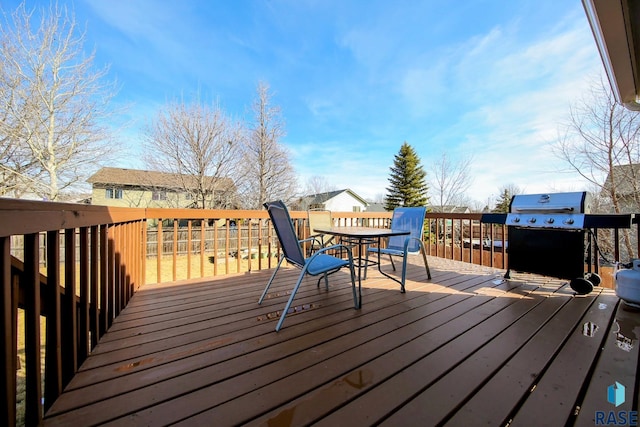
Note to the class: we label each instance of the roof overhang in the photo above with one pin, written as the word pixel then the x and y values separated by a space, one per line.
pixel 615 25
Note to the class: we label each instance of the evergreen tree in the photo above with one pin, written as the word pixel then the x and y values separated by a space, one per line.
pixel 407 181
pixel 503 202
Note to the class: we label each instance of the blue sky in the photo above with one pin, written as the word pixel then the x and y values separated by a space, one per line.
pixel 355 78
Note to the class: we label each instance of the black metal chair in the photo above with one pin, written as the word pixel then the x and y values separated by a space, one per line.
pixel 319 263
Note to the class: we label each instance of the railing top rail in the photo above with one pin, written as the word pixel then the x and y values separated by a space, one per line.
pixel 27 217
pixel 450 215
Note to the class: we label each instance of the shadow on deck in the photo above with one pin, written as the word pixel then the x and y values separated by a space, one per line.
pixel 465 348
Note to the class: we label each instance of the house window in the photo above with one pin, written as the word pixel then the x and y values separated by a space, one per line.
pixel 356 208
pixel 159 195
pixel 114 193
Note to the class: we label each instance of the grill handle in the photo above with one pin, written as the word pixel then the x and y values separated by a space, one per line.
pixel 536 209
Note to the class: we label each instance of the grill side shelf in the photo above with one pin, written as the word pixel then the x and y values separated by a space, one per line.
pixel 607 221
pixel 494 218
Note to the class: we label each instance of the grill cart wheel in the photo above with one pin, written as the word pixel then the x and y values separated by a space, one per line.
pixel 581 286
pixel 593 278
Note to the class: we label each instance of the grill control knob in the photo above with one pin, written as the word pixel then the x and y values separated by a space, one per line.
pixel 532 220
pixel 516 219
pixel 569 221
pixel 549 220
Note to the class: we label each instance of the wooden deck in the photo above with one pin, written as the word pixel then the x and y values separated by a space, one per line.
pixel 466 348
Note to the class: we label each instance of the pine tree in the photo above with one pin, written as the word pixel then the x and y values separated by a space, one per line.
pixel 503 202
pixel 407 181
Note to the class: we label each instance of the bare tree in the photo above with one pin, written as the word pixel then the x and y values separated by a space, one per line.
pixel 200 145
pixel 268 173
pixel 318 184
pixel 599 137
pixel 53 104
pixel 450 180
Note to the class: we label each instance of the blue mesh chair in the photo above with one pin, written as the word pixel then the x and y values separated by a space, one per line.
pixel 318 264
pixel 411 219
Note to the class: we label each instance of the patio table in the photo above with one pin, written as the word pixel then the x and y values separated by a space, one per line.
pixel 361 237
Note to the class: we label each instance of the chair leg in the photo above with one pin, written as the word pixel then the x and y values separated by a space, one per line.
pixel 357 299
pixel 293 294
pixel 404 271
pixel 266 288
pixel 392 264
pixel 423 251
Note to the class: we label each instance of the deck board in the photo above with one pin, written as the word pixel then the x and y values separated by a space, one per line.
pixel 463 347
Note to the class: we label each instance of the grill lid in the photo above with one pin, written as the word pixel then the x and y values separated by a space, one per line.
pixel 549 210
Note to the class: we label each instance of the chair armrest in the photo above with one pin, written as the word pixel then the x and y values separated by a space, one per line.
pixel 334 247
pixel 309 239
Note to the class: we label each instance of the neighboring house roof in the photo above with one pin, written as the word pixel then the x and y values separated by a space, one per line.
pixel 449 209
pixel 627 179
pixel 153 179
pixel 316 199
pixel 376 207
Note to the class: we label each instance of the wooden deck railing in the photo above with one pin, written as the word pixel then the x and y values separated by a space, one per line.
pixel 69 270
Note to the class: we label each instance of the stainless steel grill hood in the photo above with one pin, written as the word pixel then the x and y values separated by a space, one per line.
pixel 549 210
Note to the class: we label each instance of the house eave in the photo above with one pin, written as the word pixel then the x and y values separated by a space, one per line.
pixel 615 26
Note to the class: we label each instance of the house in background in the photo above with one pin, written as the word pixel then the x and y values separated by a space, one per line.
pixel 339 201
pixel 449 209
pixel 627 184
pixel 142 188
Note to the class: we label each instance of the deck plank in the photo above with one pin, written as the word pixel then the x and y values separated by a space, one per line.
pixel 521 370
pixel 618 363
pixel 557 389
pixel 201 352
pixel 323 385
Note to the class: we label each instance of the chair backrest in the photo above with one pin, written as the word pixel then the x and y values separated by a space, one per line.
pixel 286 233
pixel 411 219
pixel 319 218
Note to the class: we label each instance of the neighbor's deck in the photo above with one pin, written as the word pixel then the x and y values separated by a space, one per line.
pixel 465 348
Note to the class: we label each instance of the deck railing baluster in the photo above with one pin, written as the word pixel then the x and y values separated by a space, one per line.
pixel 189 249
pixel 83 336
pixel 69 313
pixel 54 347
pixel 9 351
pixel 33 395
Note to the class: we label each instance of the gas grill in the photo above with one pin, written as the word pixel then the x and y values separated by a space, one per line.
pixel 550 234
